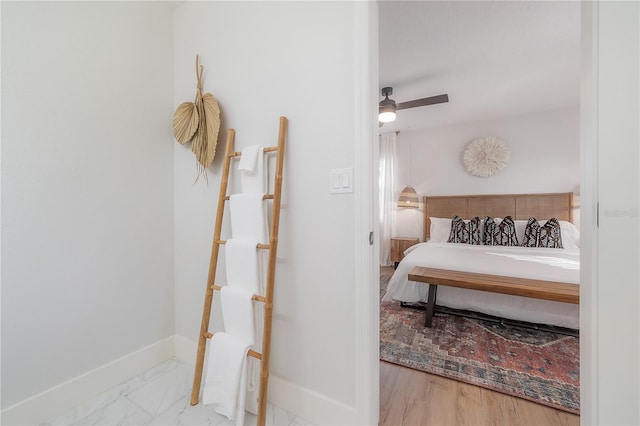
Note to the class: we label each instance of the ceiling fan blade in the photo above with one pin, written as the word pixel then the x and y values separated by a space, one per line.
pixel 440 99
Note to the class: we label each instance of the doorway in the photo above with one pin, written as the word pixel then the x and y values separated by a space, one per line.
pixel 587 196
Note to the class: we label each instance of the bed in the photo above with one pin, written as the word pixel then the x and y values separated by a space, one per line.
pixel 549 264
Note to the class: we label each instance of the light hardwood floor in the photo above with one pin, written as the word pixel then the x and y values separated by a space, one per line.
pixel 411 397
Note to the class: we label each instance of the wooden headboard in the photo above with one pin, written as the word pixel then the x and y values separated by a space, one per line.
pixel 518 206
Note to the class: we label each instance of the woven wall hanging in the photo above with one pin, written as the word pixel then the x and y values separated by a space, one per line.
pixel 486 156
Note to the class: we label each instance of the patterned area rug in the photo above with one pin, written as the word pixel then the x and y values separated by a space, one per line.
pixel 536 365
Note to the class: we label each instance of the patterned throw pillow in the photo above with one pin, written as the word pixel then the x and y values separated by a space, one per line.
pixel 474 231
pixel 505 233
pixel 465 233
pixel 548 235
pixel 502 234
pixel 531 233
pixel 459 232
pixel 489 228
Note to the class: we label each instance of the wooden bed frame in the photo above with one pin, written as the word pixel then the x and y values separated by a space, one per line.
pixel 518 206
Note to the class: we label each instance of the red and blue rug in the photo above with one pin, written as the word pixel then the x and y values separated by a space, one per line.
pixel 536 365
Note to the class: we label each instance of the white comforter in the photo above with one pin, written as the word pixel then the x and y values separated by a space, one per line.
pixel 548 264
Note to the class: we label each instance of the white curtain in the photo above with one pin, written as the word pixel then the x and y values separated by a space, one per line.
pixel 387 200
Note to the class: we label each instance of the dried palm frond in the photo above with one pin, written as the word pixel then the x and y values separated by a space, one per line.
pixel 199 141
pixel 185 122
pixel 211 124
pixel 199 123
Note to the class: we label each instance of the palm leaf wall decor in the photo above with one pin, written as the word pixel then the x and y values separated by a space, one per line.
pixel 198 122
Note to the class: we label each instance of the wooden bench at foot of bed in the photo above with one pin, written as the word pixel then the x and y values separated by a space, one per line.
pixel 537 289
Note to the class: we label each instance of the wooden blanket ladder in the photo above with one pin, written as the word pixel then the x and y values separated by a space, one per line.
pixel 267 298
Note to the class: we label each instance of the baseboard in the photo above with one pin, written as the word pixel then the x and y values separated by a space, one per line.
pixel 57 400
pixel 304 403
pixel 309 405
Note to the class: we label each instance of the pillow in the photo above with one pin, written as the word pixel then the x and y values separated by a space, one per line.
pixel 500 234
pixel 570 235
pixel 439 229
pixel 521 225
pixel 475 231
pixel 465 232
pixel 550 234
pixel 487 232
pixel 531 233
pixel 570 232
pixel 459 232
pixel 547 235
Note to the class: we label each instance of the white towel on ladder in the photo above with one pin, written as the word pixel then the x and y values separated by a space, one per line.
pixel 248 217
pixel 244 318
pixel 237 313
pixel 225 382
pixel 253 173
pixel 242 264
pixel 249 158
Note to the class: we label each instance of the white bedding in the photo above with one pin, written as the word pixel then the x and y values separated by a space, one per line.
pixel 548 264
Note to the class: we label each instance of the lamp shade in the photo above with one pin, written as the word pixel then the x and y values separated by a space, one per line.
pixel 386 117
pixel 408 198
pixel 386 110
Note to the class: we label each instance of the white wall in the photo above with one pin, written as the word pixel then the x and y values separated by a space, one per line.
pixel 263 60
pixel 87 176
pixel 613 321
pixel 545 157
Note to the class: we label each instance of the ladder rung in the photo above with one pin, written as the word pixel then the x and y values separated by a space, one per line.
pixel 251 352
pixel 267 149
pixel 255 297
pixel 266 197
pixel 259 246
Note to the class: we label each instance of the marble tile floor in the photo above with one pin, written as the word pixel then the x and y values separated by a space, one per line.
pixel 158 396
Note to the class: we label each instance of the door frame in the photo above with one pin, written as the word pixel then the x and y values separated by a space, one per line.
pixel 367 214
pixel 367 256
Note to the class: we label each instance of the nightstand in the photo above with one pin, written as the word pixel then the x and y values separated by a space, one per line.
pixel 399 245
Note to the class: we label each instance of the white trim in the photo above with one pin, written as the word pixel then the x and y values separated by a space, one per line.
pixel 309 405
pixel 588 214
pixel 367 309
pixel 304 403
pixel 57 400
pixel 616 152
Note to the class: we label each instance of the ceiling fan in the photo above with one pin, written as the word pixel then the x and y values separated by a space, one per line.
pixel 388 107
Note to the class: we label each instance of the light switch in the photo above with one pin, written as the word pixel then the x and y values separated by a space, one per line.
pixel 345 181
pixel 341 181
pixel 335 181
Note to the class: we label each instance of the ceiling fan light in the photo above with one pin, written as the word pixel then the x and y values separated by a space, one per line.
pixel 386 117
pixel 386 110
pixel 408 198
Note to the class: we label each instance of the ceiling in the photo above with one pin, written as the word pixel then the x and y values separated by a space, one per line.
pixel 493 58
